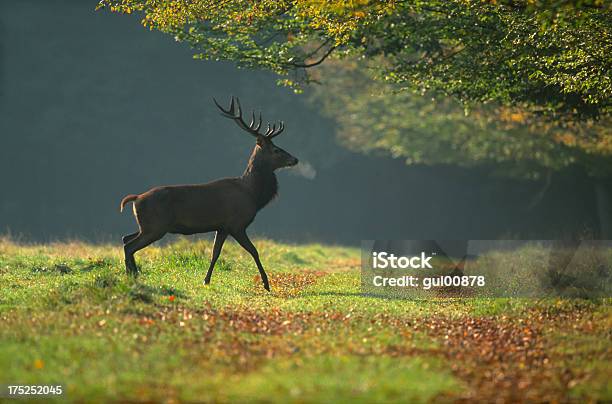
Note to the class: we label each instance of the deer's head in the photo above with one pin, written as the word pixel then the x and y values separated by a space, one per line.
pixel 266 153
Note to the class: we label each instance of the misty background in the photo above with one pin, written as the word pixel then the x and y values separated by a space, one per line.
pixel 93 107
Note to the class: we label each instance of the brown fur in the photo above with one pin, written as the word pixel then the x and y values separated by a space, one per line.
pixel 226 206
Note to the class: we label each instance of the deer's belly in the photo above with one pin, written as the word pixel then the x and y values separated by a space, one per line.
pixel 192 230
pixel 190 217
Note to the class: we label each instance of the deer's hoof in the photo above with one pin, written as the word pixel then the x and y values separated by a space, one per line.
pixel 133 272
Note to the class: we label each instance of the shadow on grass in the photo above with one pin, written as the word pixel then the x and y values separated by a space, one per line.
pixel 61 269
pixel 107 286
pixel 145 293
pixel 79 266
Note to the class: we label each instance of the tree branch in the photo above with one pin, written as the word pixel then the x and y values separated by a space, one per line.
pixel 318 62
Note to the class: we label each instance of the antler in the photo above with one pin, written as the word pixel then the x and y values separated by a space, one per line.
pixel 234 112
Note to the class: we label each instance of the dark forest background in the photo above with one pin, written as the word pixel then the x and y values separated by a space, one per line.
pixel 93 107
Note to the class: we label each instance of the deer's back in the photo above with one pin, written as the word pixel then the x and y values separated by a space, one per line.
pixel 198 208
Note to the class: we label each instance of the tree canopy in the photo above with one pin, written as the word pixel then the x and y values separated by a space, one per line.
pixel 427 129
pixel 551 58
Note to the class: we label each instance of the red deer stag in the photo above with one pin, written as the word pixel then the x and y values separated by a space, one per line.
pixel 227 206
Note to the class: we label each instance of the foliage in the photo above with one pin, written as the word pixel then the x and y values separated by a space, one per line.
pixel 314 338
pixel 432 129
pixel 548 57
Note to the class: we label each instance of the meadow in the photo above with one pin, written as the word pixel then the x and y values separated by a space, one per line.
pixel 69 315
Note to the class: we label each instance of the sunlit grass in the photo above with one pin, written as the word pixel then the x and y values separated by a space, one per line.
pixel 70 315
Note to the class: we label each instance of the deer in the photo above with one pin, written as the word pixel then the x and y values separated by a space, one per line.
pixel 226 206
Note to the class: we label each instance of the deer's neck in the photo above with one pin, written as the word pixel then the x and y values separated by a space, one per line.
pixel 261 182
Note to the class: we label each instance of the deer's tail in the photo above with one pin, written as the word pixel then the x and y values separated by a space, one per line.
pixel 126 200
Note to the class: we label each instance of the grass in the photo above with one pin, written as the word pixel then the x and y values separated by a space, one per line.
pixel 69 315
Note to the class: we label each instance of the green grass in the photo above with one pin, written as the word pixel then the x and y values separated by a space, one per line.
pixel 68 314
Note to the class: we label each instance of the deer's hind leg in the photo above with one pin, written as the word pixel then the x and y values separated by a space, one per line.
pixel 127 238
pixel 137 243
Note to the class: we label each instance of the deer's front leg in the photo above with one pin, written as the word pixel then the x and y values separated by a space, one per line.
pixel 220 237
pixel 242 239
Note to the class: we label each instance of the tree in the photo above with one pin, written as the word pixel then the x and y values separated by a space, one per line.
pixel 375 117
pixel 551 58
pixel 429 129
